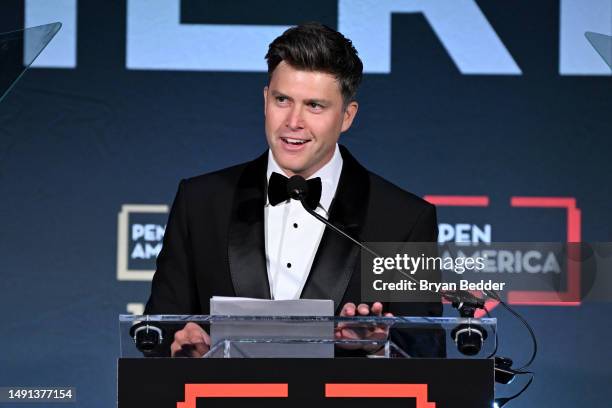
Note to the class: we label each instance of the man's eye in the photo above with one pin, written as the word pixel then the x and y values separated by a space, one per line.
pixel 315 105
pixel 281 99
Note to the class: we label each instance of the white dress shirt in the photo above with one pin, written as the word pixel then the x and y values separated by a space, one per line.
pixel 292 235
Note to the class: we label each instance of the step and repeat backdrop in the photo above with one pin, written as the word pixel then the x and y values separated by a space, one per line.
pixel 498 112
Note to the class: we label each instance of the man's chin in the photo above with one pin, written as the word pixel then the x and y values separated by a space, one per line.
pixel 292 170
pixel 290 164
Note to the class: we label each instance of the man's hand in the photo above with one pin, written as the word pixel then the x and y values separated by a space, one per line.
pixel 191 341
pixel 352 332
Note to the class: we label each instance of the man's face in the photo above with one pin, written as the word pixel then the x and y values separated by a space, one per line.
pixel 304 118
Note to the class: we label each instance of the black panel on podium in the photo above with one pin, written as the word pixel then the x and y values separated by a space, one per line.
pixel 294 361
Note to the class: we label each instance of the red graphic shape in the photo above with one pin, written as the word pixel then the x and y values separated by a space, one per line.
pixel 535 298
pixel 239 390
pixel 458 201
pixel 571 297
pixel 418 391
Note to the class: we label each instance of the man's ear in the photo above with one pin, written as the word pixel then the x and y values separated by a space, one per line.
pixel 265 92
pixel 349 114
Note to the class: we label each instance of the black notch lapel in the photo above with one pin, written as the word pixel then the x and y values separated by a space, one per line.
pixel 247 248
pixel 337 257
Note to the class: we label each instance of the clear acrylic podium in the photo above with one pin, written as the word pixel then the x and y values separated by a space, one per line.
pixel 285 361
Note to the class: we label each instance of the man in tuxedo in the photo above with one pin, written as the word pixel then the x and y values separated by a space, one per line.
pixel 235 232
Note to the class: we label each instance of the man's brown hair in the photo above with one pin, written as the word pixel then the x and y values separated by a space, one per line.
pixel 317 47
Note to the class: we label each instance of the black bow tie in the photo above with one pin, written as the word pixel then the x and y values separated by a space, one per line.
pixel 277 190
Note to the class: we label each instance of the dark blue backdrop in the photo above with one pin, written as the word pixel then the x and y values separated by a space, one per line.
pixel 78 143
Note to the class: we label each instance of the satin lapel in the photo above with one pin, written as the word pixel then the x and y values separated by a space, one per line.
pixel 337 257
pixel 246 248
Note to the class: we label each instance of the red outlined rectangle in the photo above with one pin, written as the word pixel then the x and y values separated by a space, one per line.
pixel 571 297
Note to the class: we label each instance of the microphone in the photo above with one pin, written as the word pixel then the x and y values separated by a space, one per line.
pixel 469 337
pixel 297 189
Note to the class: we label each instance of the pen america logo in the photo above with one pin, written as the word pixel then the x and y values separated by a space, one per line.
pixel 466 232
pixel 140 232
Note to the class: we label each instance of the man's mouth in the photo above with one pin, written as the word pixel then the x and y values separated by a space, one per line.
pixel 294 142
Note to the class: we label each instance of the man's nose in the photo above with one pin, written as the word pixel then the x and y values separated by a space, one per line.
pixel 295 121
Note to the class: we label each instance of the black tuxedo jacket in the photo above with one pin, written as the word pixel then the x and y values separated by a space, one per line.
pixel 214 240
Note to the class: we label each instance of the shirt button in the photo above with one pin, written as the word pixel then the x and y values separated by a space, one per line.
pixel 295 225
pixel 289 265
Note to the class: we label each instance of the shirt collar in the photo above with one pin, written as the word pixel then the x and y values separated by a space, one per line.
pixel 329 174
